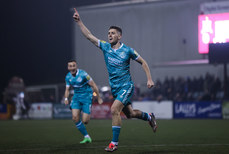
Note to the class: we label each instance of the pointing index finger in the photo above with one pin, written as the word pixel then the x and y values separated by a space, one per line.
pixel 76 11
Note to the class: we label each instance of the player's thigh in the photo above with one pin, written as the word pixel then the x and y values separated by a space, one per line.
pixel 86 106
pixel 124 95
pixel 75 115
pixel 75 104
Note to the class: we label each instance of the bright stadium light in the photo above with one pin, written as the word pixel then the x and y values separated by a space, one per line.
pixel 105 89
pixel 213 28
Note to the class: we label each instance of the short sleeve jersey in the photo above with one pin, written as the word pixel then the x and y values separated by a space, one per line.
pixel 118 63
pixel 79 83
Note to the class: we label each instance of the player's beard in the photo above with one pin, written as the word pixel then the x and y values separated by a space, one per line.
pixel 73 72
pixel 114 43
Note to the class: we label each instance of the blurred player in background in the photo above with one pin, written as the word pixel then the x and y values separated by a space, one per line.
pixel 117 58
pixel 83 86
pixel 15 94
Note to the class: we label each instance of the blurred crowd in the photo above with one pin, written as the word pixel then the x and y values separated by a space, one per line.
pixel 181 89
pixel 203 88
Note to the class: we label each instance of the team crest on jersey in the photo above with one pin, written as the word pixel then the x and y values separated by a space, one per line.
pixel 79 79
pixel 122 54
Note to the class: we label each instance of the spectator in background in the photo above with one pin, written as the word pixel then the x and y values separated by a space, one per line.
pixel 14 94
pixel 20 106
pixel 206 96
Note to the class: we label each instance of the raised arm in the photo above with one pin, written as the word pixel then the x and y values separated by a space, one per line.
pixel 84 29
pixel 145 66
pixel 96 90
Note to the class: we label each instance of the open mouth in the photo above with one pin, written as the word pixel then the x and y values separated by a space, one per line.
pixel 73 71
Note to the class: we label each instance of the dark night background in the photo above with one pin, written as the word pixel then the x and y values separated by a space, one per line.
pixel 36 39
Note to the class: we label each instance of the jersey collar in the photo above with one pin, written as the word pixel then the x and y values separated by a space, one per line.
pixel 119 47
pixel 77 72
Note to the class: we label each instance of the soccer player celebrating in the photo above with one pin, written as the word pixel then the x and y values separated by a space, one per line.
pixel 83 86
pixel 117 58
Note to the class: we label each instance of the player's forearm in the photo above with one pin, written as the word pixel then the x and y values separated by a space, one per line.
pixel 96 90
pixel 66 94
pixel 84 29
pixel 87 33
pixel 147 70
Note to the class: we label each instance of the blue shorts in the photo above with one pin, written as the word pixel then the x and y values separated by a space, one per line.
pixel 82 104
pixel 124 94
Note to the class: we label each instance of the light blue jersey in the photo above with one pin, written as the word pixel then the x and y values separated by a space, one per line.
pixel 83 92
pixel 118 66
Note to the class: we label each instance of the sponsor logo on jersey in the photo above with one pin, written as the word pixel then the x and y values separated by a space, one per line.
pixel 114 61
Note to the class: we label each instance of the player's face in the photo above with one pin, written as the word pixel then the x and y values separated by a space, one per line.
pixel 113 36
pixel 72 67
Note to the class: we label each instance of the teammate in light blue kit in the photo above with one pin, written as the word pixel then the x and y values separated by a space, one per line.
pixel 83 86
pixel 117 57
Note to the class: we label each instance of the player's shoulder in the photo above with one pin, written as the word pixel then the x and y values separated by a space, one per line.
pixel 68 75
pixel 82 72
pixel 128 48
pixel 104 43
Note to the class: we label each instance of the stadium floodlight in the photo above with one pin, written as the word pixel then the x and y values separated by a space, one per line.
pixel 213 28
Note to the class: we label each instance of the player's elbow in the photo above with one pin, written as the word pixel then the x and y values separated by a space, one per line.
pixel 89 36
pixel 144 64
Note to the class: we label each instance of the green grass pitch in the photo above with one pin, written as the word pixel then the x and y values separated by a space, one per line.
pixel 61 136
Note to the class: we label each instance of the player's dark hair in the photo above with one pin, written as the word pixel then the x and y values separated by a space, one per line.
pixel 72 61
pixel 117 28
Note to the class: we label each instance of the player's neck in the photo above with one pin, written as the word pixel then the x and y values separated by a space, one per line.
pixel 74 74
pixel 116 46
